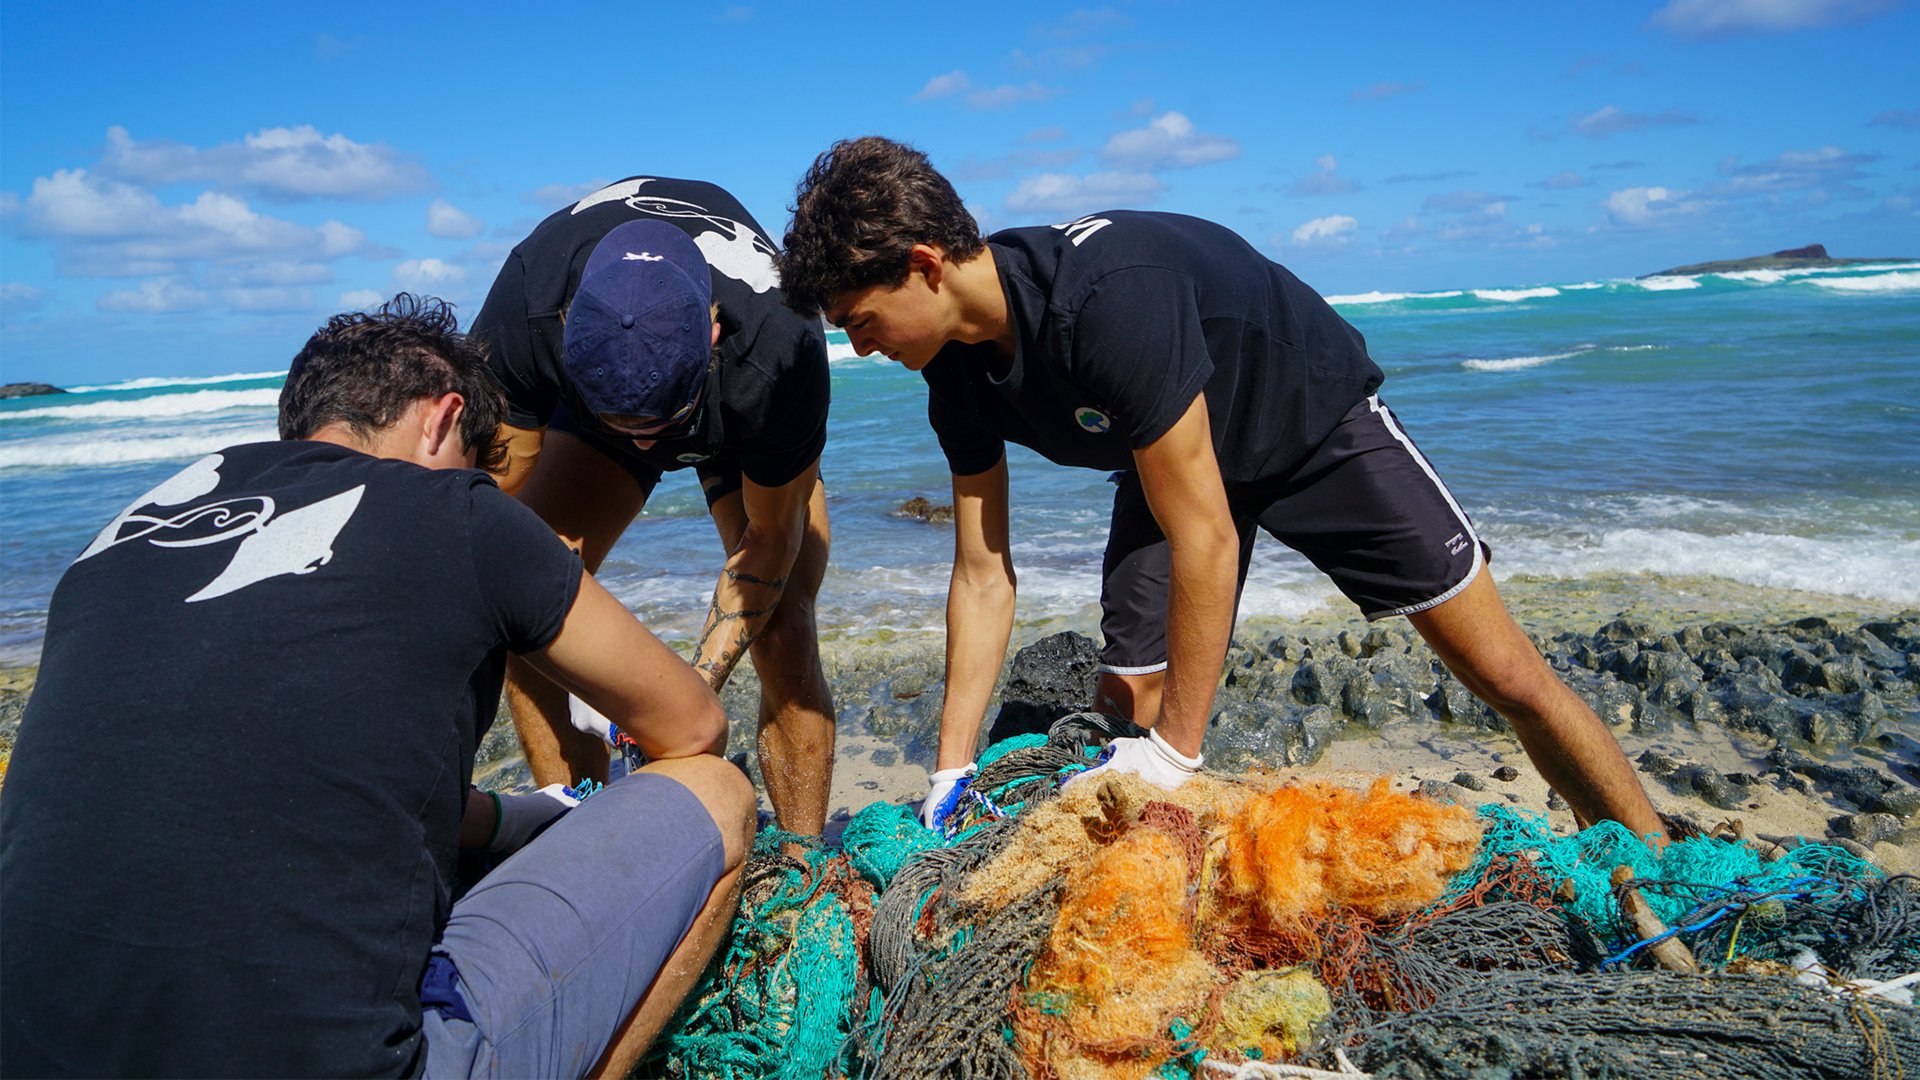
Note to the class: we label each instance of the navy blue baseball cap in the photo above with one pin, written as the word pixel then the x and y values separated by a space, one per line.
pixel 639 330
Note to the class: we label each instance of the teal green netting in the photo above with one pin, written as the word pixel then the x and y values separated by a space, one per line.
pixel 1587 859
pixel 774 1005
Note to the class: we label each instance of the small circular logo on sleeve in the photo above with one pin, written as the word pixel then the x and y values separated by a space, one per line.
pixel 1092 419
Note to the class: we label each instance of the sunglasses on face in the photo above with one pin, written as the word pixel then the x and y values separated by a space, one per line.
pixel 657 428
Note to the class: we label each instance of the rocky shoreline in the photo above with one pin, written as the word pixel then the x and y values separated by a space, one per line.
pixel 1806 726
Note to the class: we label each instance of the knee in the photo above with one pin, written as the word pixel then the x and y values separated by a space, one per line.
pixel 1519 683
pixel 726 793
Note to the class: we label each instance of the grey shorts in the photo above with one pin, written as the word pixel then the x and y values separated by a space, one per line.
pixel 1366 507
pixel 548 955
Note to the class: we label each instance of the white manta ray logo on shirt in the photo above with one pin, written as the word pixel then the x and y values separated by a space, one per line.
pixel 731 247
pixel 295 542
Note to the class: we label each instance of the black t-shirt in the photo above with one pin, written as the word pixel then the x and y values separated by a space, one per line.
pixel 228 831
pixel 767 394
pixel 1120 319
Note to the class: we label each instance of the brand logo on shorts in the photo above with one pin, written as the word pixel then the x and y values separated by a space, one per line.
pixel 689 459
pixel 1092 419
pixel 1457 543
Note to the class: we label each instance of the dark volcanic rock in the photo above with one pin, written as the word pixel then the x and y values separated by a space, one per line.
pixel 27 389
pixel 919 509
pixel 1811 251
pixel 1245 734
pixel 1049 679
pixel 1865 829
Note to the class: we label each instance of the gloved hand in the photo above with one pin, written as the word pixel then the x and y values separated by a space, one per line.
pixel 944 791
pixel 1150 758
pixel 520 816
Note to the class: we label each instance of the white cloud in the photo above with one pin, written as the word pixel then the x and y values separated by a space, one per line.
pixel 1725 18
pixel 1058 193
pixel 449 222
pixel 1001 97
pixel 1327 181
pixel 433 277
pixel 562 194
pixel 1082 22
pixel 1652 207
pixel 1327 233
pixel 361 299
pixel 1610 120
pixel 1045 134
pixel 941 86
pixel 1406 230
pixel 19 296
pixel 268 300
pixel 1564 181
pixel 1166 143
pixel 1455 202
pixel 155 297
pixel 105 228
pixel 277 163
pixel 955 83
pixel 1827 173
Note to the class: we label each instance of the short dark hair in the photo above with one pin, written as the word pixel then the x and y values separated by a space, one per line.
pixel 364 369
pixel 856 216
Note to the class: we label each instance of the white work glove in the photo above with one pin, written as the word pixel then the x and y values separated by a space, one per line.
pixel 588 719
pixel 943 794
pixel 1150 758
pixel 520 816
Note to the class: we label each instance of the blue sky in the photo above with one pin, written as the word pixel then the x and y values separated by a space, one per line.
pixel 191 189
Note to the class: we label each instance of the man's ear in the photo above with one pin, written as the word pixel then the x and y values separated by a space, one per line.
pixel 929 261
pixel 440 428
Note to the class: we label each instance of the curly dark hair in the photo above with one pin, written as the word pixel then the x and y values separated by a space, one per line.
pixel 856 216
pixel 363 369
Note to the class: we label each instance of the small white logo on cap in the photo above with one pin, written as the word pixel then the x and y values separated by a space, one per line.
pixel 644 257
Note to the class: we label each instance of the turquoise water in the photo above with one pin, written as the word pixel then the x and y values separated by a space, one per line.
pixel 1763 428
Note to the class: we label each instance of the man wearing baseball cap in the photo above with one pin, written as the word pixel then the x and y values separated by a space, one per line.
pixel 640 331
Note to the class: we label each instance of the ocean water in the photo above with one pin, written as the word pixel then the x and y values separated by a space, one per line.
pixel 1760 427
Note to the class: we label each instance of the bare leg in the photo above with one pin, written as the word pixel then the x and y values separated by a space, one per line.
pixel 796 706
pixel 1483 647
pixel 729 797
pixel 1136 697
pixel 589 501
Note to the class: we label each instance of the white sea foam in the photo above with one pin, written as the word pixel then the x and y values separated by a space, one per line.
pixel 124 450
pixel 1585 285
pixel 1389 297
pixel 1758 277
pixel 1508 296
pixel 150 383
pixel 156 405
pixel 1517 362
pixel 1904 281
pixel 1885 567
pixel 1669 283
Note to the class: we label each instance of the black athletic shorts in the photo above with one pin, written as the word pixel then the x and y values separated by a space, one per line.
pixel 719 476
pixel 1366 508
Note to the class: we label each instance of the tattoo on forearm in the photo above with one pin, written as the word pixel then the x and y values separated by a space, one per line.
pixel 722 664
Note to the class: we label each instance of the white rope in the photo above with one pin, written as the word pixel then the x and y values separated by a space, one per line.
pixel 1264 1070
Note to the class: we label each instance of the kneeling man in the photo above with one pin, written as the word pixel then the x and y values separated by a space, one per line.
pixel 1224 393
pixel 228 834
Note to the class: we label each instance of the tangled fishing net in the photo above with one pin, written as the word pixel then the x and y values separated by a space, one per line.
pixel 1246 928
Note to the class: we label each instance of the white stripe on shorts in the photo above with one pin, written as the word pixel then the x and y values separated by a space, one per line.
pixel 1109 669
pixel 1479 555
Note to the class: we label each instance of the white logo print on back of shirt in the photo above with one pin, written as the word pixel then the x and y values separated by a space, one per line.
pixel 731 247
pixel 298 541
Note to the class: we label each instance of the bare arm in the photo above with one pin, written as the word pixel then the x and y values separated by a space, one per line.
pixel 617 666
pixel 523 449
pixel 755 576
pixel 979 609
pixel 1181 479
